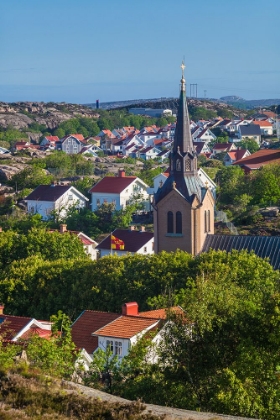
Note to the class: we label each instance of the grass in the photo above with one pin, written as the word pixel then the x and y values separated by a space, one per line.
pixel 41 398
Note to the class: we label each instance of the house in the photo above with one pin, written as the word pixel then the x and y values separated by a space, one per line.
pixel 265 126
pixel 46 199
pixel 250 131
pixel 163 155
pixel 23 145
pixel 91 149
pixel 94 330
pixel 204 134
pixel 49 142
pixel 235 155
pixel 89 244
pixel 71 144
pixel 120 190
pixel 133 242
pixel 201 147
pixel 223 147
pixel 149 153
pixel 258 159
pixel 14 328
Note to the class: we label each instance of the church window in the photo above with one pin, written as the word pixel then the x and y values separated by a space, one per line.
pixel 170 222
pixel 178 165
pixel 208 221
pixel 188 165
pixel 205 221
pixel 178 222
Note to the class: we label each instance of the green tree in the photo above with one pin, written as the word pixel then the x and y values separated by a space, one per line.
pixel 30 177
pixel 249 144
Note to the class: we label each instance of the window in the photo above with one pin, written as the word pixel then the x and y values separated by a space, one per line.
pixel 145 249
pixel 70 197
pixel 118 348
pixel 188 165
pixel 178 222
pixel 208 220
pixel 110 344
pixel 205 221
pixel 170 222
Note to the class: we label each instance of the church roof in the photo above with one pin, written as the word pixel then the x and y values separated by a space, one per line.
pixel 263 246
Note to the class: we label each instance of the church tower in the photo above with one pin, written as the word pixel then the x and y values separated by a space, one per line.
pixel 183 205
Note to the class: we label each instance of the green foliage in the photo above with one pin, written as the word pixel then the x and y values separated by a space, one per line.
pixel 37 241
pixel 226 358
pixel 57 355
pixel 231 180
pixel 249 144
pixel 30 177
pixel 200 113
pixel 11 135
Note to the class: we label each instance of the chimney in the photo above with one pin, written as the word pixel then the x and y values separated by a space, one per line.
pixel 130 308
pixel 62 228
pixel 131 227
pixel 142 229
pixel 122 173
pixel 2 308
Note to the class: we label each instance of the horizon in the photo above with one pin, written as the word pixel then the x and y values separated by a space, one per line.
pixel 61 51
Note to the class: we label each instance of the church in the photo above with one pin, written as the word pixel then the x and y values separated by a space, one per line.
pixel 184 207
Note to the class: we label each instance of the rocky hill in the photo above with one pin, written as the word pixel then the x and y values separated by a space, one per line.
pixel 21 115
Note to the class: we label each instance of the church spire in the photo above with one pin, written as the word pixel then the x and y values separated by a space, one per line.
pixel 183 138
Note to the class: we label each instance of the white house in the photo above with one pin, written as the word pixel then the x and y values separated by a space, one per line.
pixel 235 155
pixel 149 153
pixel 133 242
pixel 46 199
pixel 94 330
pixel 204 135
pixel 121 191
pixel 265 126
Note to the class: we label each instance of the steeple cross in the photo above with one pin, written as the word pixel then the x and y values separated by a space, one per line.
pixel 183 68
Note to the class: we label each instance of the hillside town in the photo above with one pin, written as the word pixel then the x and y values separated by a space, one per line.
pixel 117 257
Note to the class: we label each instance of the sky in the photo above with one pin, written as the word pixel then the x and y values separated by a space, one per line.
pixel 78 51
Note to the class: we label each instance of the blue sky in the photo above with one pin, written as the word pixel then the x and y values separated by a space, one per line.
pixel 82 50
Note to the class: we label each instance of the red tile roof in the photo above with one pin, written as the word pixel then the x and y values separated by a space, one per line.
pixel 263 123
pixel 133 239
pixel 52 138
pixel 260 158
pixel 161 313
pixel 126 327
pixel 237 154
pixel 86 324
pixel 11 325
pixel 113 185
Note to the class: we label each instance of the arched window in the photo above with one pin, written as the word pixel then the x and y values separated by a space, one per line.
pixel 170 222
pixel 208 221
pixel 178 222
pixel 205 221
pixel 178 165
